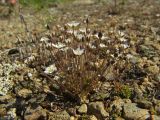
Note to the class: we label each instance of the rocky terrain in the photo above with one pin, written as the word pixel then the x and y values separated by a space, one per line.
pixel 85 60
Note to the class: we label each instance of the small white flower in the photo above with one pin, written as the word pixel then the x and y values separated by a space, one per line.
pixel 78 51
pixel 112 55
pixel 44 39
pixel 96 35
pixel 129 56
pixel 125 46
pixel 68 40
pixel 71 32
pixel 92 46
pixel 123 39
pixel 73 24
pixel 49 45
pixel 104 37
pixel 121 33
pixel 50 69
pixel 30 75
pixel 82 30
pixel 79 36
pixel 102 45
pixel 29 59
pixel 108 51
pixel 56 77
pixel 59 45
pixel 64 49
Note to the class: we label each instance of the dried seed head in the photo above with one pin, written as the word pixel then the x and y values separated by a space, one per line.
pixel 87 21
pixel 100 35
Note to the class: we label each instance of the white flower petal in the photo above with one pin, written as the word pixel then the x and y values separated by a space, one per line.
pixel 73 24
pixel 58 45
pixel 123 39
pixel 50 69
pixel 102 45
pixel 82 30
pixel 44 39
pixel 64 49
pixel 68 40
pixel 91 46
pixel 78 51
pixel 125 46
pixel 79 36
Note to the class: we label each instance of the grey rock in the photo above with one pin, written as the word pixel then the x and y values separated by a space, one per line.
pixel 5 98
pixel 147 51
pixel 92 117
pixel 138 92
pixel 144 104
pixel 97 109
pixel 135 59
pixel 117 104
pixel 132 112
pixel 109 74
pixel 62 115
pixel 35 113
pixel 82 109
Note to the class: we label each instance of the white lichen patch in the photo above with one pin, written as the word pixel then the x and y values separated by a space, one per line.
pixel 7 76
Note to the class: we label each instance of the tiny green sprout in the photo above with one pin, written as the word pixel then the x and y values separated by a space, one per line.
pixel 125 92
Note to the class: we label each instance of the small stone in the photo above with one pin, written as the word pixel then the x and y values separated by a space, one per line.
pixel 132 112
pixel 3 111
pixel 118 103
pixel 135 59
pixel 144 104
pixel 73 118
pixel 24 93
pixel 97 109
pixel 138 92
pixel 61 115
pixel 82 109
pixel 35 113
pixel 72 111
pixel 5 98
pixel 147 50
pixel 92 117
